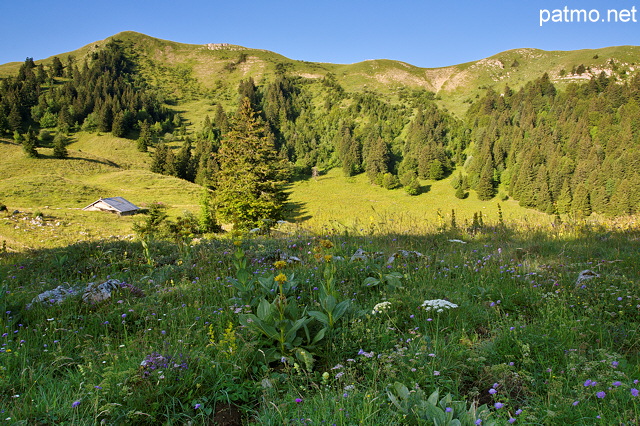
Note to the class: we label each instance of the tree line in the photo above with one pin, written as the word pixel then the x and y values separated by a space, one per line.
pixel 573 151
pixel 103 94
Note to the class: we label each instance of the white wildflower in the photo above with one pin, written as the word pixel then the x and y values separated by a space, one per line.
pixel 438 305
pixel 381 307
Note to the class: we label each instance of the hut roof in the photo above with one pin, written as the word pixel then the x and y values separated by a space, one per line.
pixel 115 204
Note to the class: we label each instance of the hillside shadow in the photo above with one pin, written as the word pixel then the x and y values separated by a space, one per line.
pixel 296 212
pixel 90 160
pixel 424 189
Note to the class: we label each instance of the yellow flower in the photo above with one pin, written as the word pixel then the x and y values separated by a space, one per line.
pixel 237 243
pixel 280 264
pixel 280 278
pixel 326 244
pixel 212 336
pixel 328 258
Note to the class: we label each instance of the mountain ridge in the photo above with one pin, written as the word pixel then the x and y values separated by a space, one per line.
pixel 455 84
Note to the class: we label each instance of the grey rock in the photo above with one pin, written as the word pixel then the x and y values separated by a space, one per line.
pixel 585 275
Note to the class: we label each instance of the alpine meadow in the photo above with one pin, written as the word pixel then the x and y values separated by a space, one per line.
pixel 316 243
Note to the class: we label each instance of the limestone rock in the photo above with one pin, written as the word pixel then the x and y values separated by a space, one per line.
pixel 99 292
pixel 53 297
pixel 585 275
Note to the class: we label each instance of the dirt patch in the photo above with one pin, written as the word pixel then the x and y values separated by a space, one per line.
pixel 309 75
pixel 227 415
pixel 439 77
pixel 404 77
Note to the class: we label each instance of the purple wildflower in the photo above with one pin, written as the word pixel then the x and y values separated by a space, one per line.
pixel 601 394
pixel 634 392
pixel 512 420
pixel 498 405
pixel 574 403
pixel 75 404
pixel 197 406
pixel 492 391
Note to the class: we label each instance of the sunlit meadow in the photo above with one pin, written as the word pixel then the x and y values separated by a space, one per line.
pixel 465 323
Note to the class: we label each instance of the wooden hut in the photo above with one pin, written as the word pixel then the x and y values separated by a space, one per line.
pixel 117 205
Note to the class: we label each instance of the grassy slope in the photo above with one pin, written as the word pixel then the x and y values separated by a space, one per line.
pixel 355 204
pixel 98 166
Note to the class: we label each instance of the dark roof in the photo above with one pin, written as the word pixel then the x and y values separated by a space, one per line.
pixel 117 203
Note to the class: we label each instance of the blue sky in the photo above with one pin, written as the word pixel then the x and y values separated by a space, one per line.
pixel 425 33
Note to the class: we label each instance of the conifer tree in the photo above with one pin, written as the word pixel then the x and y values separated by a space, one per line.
pixel 581 206
pixel 184 167
pixel 249 187
pixel 565 198
pixel 170 163
pixel 60 146
pixel 207 220
pixel 118 129
pixel 17 137
pixel 485 188
pixel 436 171
pixel 411 183
pixel 220 120
pixel 159 159
pixel 377 160
pixel 145 139
pixel 461 193
pixel 57 67
pixel 29 144
pixel 14 118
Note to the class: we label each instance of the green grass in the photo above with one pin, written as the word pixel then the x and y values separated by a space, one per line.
pixel 521 328
pixel 355 204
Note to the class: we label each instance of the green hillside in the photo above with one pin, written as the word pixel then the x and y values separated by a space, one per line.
pixel 194 70
pixel 98 166
pixel 354 204
pixel 410 121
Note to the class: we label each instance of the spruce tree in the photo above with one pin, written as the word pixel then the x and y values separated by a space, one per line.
pixel 565 198
pixel 29 144
pixel 377 160
pixel 14 118
pixel 581 206
pixel 249 187
pixel 436 171
pixel 118 128
pixel 59 146
pixel 184 167
pixel 159 159
pixel 461 193
pixel 57 67
pixel 146 137
pixel 484 188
